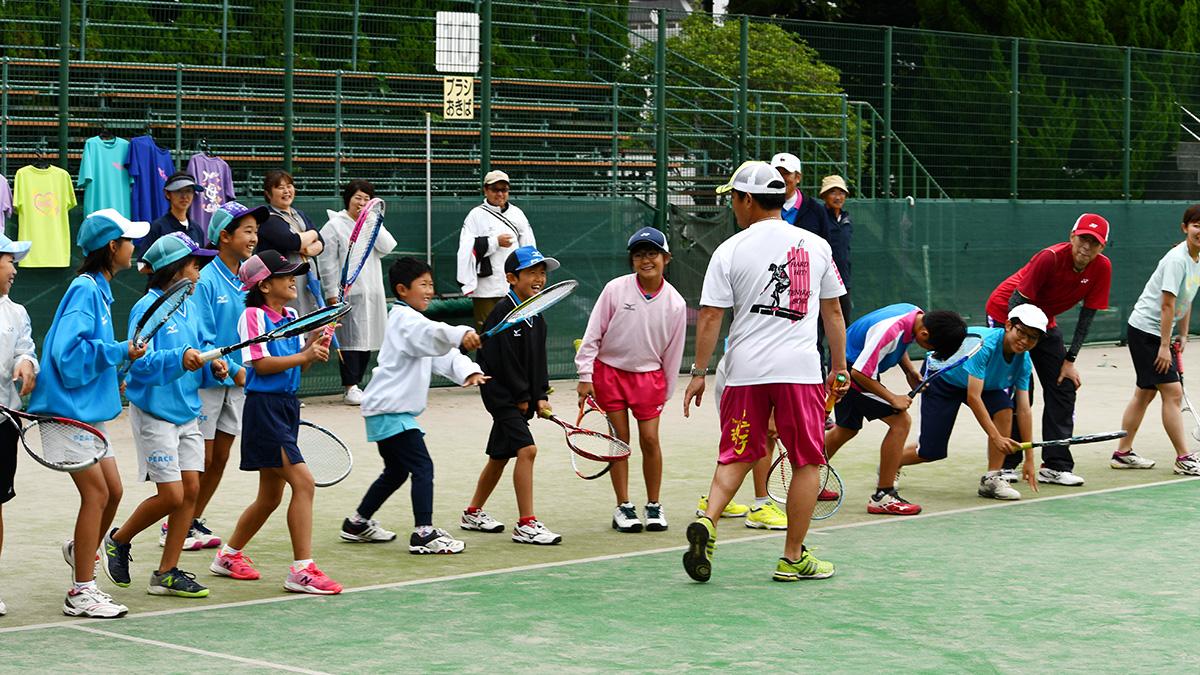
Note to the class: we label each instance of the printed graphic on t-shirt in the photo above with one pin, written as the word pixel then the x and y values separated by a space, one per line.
pixel 46 203
pixel 211 181
pixel 796 267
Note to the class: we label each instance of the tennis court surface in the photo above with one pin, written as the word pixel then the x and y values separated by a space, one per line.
pixel 1096 582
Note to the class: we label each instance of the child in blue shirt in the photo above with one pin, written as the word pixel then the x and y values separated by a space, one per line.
pixel 163 405
pixel 79 380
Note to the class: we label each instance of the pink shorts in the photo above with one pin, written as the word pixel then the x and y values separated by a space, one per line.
pixel 799 411
pixel 642 393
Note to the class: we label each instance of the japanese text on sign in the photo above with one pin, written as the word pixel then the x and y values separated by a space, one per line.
pixel 458 98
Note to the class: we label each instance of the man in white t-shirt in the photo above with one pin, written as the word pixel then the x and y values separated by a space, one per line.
pixel 777 278
pixel 490 233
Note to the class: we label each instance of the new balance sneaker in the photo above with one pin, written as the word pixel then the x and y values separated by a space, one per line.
pixel 767 517
pixel 116 560
pixel 1010 475
pixel 995 487
pixel 827 495
pixel 189 544
pixel 702 542
pixel 438 541
pixel 891 504
pixel 353 396
pixel 311 580
pixel 366 531
pixel 656 519
pixel 92 603
pixel 1058 477
pixel 807 567
pixel 732 509
pixel 480 521
pixel 1188 465
pixel 204 535
pixel 1130 460
pixel 176 582
pixel 533 532
pixel 237 566
pixel 625 518
pixel 68 551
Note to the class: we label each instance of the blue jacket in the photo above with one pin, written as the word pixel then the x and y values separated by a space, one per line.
pixel 810 215
pixel 158 382
pixel 220 302
pixel 80 356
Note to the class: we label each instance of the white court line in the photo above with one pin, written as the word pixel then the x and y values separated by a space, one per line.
pixel 614 556
pixel 192 650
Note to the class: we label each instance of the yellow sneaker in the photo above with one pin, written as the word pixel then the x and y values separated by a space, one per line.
pixel 807 567
pixel 732 509
pixel 767 517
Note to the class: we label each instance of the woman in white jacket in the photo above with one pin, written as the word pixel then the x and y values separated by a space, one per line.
pixel 361 331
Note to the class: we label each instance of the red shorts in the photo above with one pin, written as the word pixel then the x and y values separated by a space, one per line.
pixel 799 411
pixel 642 393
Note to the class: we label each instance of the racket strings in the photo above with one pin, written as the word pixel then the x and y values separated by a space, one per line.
pixel 62 444
pixel 542 301
pixel 968 346
pixel 327 457
pixel 314 320
pixel 597 446
pixel 593 419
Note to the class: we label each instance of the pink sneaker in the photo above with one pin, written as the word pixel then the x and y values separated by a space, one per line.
pixel 311 580
pixel 237 566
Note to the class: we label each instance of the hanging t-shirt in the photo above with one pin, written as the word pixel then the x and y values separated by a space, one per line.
pixel 103 176
pixel 212 174
pixel 149 167
pixel 6 208
pixel 42 198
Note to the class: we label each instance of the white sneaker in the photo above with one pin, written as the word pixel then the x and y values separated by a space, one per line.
pixel 1058 477
pixel 353 396
pixel 1188 465
pixel 625 518
pixel 1130 460
pixel 93 603
pixel 3 609
pixel 1010 475
pixel 995 487
pixel 438 541
pixel 480 521
pixel 656 519
pixel 68 551
pixel 189 544
pixel 366 531
pixel 534 532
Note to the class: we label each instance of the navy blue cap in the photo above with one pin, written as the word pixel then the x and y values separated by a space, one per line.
pixel 649 235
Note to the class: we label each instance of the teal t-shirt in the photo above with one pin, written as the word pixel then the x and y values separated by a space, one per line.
pixel 989 365
pixel 103 176
pixel 387 425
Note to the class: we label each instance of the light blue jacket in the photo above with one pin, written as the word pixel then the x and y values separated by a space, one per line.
pixel 158 382
pixel 220 302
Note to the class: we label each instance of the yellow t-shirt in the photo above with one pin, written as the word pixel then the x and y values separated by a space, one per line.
pixel 42 198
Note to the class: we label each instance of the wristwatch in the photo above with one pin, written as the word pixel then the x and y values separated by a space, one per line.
pixel 698 371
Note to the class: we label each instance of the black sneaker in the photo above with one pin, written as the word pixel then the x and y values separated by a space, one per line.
pixel 176 582
pixel 116 560
pixel 366 531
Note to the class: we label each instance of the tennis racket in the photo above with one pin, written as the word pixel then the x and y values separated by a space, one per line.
pixel 157 315
pixel 779 480
pixel 935 367
pixel 59 443
pixel 1078 440
pixel 327 457
pixel 361 243
pixel 592 418
pixel 305 324
pixel 547 298
pixel 1187 404
pixel 592 445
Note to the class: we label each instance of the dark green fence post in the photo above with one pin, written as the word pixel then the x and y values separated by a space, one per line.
pixel 616 149
pixel 178 112
pixel 1128 137
pixel 485 95
pixel 337 130
pixel 289 76
pixel 887 112
pixel 83 31
pixel 64 73
pixel 4 116
pixel 1014 140
pixel 354 39
pixel 224 31
pixel 660 118
pixel 743 90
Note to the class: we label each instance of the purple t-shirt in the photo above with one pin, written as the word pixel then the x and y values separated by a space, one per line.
pixel 5 201
pixel 149 166
pixel 212 174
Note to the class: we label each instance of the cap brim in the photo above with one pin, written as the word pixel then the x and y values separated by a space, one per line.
pixel 135 230
pixel 724 188
pixel 292 271
pixel 18 250
pixel 260 213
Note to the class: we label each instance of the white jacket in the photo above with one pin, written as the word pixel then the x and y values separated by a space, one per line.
pixel 16 345
pixel 413 347
pixel 489 221
pixel 362 329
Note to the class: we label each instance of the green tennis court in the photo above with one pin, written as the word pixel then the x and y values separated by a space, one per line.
pixel 1097 582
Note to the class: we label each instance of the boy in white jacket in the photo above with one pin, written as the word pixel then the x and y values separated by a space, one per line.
pixel 413 347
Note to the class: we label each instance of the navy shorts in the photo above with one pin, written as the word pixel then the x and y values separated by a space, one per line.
pixel 1143 348
pixel 509 434
pixel 939 409
pixel 269 422
pixel 856 405
pixel 9 438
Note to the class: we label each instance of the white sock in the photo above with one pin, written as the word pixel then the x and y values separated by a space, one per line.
pixel 760 502
pixel 228 550
pixel 992 473
pixel 301 564
pixel 80 585
pixel 424 530
pixel 357 519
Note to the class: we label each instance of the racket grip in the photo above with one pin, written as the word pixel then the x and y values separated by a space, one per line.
pixel 545 414
pixel 211 355
pixel 832 399
pixel 1027 445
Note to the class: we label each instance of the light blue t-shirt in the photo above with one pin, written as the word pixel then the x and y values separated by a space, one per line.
pixel 1176 274
pixel 989 365
pixel 103 176
pixel 387 425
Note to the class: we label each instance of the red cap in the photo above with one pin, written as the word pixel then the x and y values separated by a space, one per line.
pixel 1090 223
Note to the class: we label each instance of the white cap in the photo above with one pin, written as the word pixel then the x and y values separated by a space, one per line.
pixel 1030 315
pixel 495 177
pixel 756 178
pixel 786 161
